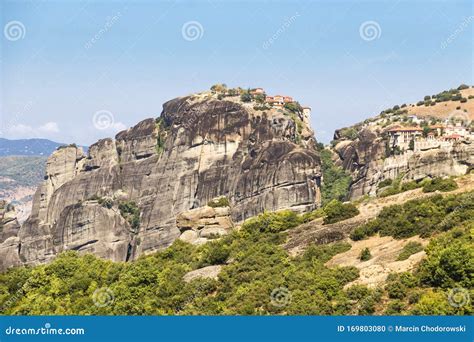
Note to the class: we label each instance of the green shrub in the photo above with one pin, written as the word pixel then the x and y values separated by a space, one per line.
pixel 389 192
pixel 219 202
pixel 409 186
pixel 293 107
pixel 336 211
pixel 410 248
pixel 365 255
pixel 440 184
pixel 216 253
pixel 245 97
pixel 273 222
pixel 219 87
pixel 395 307
pixel 349 133
pixel 161 135
pixel 450 260
pixel 414 297
pixel 130 211
pixel 357 292
pixel 396 186
pixel 384 183
pixel 396 290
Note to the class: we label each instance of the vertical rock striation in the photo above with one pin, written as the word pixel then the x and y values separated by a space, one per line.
pixel 122 199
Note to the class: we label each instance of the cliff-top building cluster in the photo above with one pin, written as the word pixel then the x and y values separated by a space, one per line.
pixel 420 138
pixel 275 101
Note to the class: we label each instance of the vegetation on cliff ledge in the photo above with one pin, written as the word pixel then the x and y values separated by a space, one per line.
pixel 336 181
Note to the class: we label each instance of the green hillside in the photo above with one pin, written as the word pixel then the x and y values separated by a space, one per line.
pixel 24 170
pixel 259 277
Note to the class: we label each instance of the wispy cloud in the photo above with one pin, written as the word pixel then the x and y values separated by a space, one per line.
pixel 27 131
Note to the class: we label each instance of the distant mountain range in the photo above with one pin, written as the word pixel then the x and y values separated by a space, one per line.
pixel 27 147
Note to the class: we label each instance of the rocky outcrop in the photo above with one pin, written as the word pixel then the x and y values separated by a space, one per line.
pixel 202 224
pixel 9 242
pixel 208 272
pixel 366 159
pixel 121 200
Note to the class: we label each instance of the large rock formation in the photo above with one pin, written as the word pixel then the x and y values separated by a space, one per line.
pixel 365 157
pixel 122 199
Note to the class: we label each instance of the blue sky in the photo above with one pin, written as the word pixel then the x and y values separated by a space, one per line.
pixel 68 60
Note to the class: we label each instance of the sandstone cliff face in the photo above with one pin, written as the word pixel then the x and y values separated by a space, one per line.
pixel 365 158
pixel 122 199
pixel 9 228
